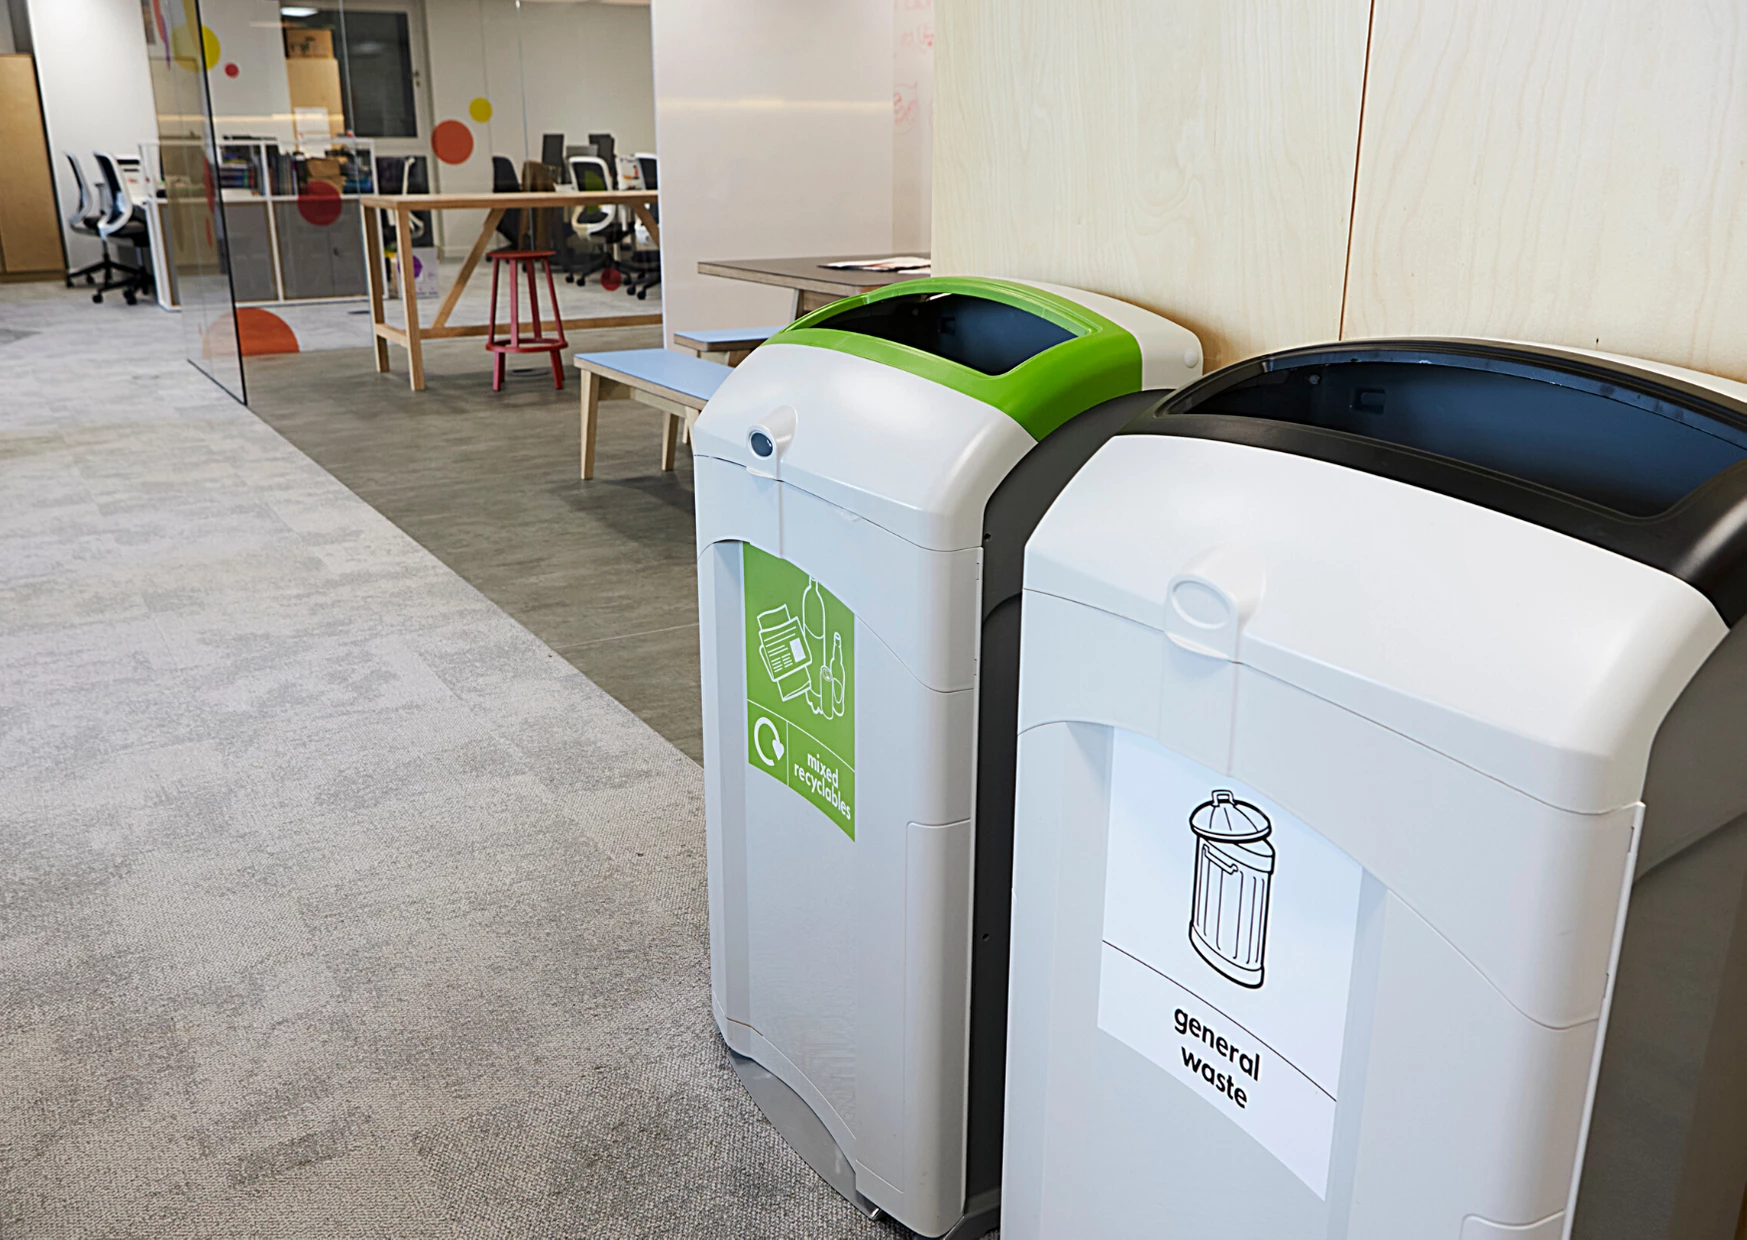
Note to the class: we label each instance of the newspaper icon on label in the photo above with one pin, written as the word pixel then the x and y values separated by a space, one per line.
pixel 785 654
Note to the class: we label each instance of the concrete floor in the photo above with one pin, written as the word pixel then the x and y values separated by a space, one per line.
pixel 603 572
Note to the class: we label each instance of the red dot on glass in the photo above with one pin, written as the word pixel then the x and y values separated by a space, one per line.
pixel 319 203
pixel 231 70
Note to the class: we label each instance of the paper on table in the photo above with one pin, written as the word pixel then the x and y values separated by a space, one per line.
pixel 907 262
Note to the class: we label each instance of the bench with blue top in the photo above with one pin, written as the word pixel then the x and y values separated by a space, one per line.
pixel 734 342
pixel 677 385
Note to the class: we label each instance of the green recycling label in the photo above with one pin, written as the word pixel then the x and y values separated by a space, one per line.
pixel 800 684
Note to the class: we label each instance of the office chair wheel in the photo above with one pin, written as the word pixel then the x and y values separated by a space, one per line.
pixel 133 297
pixel 642 294
pixel 97 298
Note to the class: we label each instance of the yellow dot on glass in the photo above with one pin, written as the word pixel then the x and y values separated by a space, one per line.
pixel 182 48
pixel 480 110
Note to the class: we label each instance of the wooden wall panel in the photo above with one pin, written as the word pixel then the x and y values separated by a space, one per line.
pixel 1194 156
pixel 1572 171
pixel 30 226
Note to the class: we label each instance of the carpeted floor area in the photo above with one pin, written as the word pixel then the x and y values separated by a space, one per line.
pixel 604 572
pixel 332 902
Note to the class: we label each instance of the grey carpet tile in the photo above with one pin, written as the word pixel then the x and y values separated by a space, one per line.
pixel 332 901
pixel 487 482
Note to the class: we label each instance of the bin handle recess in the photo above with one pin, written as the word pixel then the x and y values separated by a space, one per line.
pixel 1210 601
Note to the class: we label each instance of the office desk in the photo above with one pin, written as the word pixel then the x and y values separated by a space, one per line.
pixel 814 283
pixel 403 205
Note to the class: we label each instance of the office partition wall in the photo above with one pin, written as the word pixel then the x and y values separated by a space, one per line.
pixel 278 118
pixel 195 270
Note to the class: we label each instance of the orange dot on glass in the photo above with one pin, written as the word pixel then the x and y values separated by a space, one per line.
pixel 453 142
pixel 262 332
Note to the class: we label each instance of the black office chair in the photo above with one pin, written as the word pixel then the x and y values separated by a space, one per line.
pixel 604 147
pixel 596 230
pixel 122 222
pixel 505 181
pixel 644 268
pixel 85 217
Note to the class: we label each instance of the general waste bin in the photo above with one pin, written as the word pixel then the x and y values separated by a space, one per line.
pixel 1453 629
pixel 865 484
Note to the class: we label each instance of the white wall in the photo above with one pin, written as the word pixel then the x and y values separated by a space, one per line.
pixel 580 67
pixel 776 138
pixel 257 101
pixel 96 90
pixel 912 124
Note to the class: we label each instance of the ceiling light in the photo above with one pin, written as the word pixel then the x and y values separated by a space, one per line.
pixel 296 10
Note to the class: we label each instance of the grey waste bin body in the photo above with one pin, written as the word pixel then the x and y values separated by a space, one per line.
pixel 1462 620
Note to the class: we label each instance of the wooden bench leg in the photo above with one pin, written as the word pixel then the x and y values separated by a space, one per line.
pixel 591 413
pixel 670 429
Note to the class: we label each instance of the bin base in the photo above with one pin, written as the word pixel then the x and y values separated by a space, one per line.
pixel 982 1215
pixel 805 1133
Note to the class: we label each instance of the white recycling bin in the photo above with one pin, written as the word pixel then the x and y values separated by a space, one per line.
pixel 1381 827
pixel 865 484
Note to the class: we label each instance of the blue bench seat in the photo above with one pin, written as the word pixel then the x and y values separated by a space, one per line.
pixel 677 385
pixel 736 342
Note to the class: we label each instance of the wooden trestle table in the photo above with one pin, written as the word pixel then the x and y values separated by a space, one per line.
pixel 412 336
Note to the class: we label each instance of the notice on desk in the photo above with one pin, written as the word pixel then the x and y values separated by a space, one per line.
pixel 1230 928
pixel 908 265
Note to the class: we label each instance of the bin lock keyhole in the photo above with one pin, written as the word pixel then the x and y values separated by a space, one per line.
pixel 768 438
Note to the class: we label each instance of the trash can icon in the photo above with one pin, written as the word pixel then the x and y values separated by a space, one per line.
pixel 1234 869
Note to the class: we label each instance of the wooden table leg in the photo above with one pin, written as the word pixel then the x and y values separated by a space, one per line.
pixel 591 413
pixel 646 218
pixel 409 296
pixel 373 256
pixel 466 273
pixel 671 425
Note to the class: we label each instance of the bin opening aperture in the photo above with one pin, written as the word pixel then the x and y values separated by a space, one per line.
pixel 1632 453
pixel 988 336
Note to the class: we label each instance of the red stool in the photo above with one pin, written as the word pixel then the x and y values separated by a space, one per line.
pixel 518 343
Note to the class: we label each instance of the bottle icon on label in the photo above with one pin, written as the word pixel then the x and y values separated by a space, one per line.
pixel 1234 870
pixel 813 626
pixel 837 675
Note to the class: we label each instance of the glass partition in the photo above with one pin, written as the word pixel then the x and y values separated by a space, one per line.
pixel 182 186
pixel 277 119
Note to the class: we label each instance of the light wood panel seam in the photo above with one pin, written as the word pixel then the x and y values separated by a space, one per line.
pixel 1358 156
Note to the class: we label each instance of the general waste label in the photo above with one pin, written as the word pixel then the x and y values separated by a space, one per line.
pixel 1230 929
pixel 800 684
